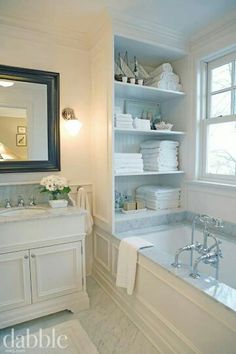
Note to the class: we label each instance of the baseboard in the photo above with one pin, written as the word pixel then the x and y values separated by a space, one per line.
pixel 73 302
pixel 164 337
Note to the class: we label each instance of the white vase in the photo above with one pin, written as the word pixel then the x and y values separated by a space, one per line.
pixel 60 203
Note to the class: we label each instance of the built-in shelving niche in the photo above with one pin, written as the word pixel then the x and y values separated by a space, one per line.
pixel 173 108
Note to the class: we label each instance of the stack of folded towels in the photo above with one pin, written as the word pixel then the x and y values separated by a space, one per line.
pixel 128 162
pixel 159 197
pixel 141 124
pixel 160 155
pixel 164 78
pixel 123 121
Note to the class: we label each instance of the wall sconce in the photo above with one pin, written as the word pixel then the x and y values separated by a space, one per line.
pixel 72 124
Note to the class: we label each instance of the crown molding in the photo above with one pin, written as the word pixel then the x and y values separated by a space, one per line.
pixel 24 29
pixel 217 31
pixel 150 32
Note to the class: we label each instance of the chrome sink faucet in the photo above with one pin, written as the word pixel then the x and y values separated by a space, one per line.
pixel 8 204
pixel 21 202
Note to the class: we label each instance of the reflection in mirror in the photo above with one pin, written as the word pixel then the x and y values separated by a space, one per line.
pixel 23 121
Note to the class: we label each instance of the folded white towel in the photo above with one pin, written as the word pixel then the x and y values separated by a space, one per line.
pixel 124 126
pixel 121 155
pixel 127 261
pixel 128 170
pixel 167 67
pixel 174 86
pixel 128 162
pixel 164 76
pixel 149 144
pixel 168 76
pixel 157 189
pixel 83 202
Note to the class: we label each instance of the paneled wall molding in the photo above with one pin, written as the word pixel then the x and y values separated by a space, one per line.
pixel 31 31
pixel 160 333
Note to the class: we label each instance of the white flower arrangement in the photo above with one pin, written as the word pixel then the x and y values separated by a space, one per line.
pixel 55 185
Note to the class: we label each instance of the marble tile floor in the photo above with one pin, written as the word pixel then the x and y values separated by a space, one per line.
pixel 107 326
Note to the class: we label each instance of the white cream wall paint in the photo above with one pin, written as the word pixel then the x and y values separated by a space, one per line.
pixel 209 199
pixel 73 64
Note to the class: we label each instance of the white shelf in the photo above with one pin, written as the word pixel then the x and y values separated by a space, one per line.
pixel 120 217
pixel 133 91
pixel 149 173
pixel 148 132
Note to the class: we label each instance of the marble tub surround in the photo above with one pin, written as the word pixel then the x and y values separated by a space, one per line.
pixel 138 222
pixel 228 229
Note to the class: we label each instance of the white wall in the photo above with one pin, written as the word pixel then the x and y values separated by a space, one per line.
pixel 18 48
pixel 204 197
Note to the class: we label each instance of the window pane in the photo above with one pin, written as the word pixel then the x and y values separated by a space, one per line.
pixel 221 149
pixel 221 104
pixel 235 101
pixel 221 77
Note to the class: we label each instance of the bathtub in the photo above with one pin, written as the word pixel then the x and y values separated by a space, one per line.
pixel 168 239
pixel 171 239
pixel 177 313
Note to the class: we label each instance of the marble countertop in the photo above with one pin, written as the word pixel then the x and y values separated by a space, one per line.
pixel 42 211
pixel 218 291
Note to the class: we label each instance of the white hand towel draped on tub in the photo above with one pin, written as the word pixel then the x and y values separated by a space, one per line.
pixel 127 261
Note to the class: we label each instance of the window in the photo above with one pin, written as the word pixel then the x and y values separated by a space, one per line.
pixel 218 126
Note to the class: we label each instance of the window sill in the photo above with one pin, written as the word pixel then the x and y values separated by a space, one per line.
pixel 212 185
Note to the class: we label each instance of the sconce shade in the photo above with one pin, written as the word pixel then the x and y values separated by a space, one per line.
pixel 6 83
pixel 72 124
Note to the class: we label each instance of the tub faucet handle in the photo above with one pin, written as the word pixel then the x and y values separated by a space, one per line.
pixel 217 222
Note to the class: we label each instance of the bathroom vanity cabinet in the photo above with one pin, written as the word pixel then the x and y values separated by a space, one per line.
pixel 42 265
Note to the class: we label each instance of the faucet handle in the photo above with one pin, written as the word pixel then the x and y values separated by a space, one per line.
pixel 217 222
pixel 21 201
pixel 8 203
pixel 32 201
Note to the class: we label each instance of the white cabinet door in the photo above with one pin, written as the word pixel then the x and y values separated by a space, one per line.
pixel 14 280
pixel 56 271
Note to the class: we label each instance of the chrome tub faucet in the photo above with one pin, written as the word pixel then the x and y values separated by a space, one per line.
pixel 208 255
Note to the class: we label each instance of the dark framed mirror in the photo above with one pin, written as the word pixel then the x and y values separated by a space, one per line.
pixel 29 120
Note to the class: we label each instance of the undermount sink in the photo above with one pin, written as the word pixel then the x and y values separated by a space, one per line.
pixel 22 211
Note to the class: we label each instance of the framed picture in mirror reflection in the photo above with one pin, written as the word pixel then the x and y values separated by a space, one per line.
pixel 21 140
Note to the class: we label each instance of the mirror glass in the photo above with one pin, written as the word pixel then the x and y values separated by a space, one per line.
pixel 29 120
pixel 23 121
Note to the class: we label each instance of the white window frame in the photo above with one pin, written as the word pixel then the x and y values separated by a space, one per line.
pixel 206 120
